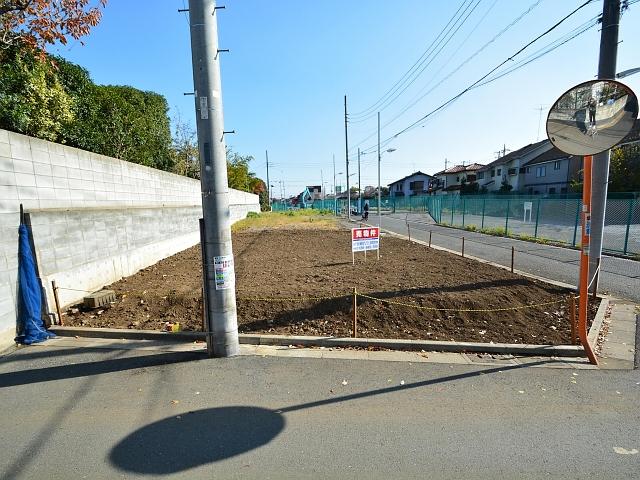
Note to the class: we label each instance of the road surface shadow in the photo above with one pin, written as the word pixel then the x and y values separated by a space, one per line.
pixel 48 374
pixel 197 438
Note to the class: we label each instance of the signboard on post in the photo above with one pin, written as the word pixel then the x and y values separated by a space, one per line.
pixel 363 239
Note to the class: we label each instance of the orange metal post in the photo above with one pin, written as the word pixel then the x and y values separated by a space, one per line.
pixel 584 260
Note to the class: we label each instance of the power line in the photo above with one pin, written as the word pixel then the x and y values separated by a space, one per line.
pixel 424 66
pixel 414 101
pixel 485 76
pixel 425 55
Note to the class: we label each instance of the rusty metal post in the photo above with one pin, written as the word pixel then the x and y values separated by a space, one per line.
pixel 430 232
pixel 572 319
pixel 57 300
pixel 355 312
pixel 462 247
pixel 409 231
pixel 513 252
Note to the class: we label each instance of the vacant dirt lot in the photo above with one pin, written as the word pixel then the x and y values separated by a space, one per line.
pixel 281 273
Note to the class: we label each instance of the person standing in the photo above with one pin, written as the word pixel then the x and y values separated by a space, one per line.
pixel 592 111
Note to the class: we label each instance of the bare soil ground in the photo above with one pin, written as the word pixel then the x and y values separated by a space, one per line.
pixel 281 273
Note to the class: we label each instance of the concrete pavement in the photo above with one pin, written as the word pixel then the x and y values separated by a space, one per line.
pixel 90 412
pixel 619 276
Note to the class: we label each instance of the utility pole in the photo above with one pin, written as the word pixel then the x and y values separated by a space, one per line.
pixel 266 154
pixel 359 185
pixel 346 149
pixel 322 187
pixel 600 169
pixel 335 195
pixel 379 192
pixel 218 270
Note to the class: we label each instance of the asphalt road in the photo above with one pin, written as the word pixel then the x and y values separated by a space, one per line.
pixel 104 414
pixel 620 277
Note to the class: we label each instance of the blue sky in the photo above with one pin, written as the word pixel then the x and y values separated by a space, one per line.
pixel 291 63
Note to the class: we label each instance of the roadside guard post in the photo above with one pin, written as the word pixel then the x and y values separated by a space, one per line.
pixel 363 239
pixel 588 119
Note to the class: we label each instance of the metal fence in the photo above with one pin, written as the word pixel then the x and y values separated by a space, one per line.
pixel 554 219
pixel 545 219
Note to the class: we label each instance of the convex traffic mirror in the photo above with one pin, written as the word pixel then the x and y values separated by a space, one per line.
pixel 592 117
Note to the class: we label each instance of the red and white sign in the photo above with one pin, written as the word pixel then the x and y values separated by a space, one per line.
pixel 363 239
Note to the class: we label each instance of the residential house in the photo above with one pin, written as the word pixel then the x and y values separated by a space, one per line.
pixel 509 169
pixel 315 191
pixel 415 184
pixel 550 172
pixel 451 179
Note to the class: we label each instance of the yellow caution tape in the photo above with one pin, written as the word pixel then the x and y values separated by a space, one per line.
pixel 506 309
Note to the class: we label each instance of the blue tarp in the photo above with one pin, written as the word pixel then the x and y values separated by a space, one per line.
pixel 30 326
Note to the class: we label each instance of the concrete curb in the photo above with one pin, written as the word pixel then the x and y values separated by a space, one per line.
pixel 309 341
pixel 594 331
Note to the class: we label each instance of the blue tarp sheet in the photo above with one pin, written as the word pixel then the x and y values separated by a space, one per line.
pixel 30 326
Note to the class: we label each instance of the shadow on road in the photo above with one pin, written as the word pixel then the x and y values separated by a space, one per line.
pixel 193 439
pixel 48 374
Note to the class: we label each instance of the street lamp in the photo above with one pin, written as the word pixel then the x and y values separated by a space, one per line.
pixel 628 73
pixel 390 150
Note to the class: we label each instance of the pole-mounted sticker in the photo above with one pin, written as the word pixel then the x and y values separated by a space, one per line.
pixel 204 108
pixel 225 276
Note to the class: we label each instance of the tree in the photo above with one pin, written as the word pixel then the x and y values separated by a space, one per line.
pixel 505 187
pixel 32 99
pixel 35 24
pixel 624 173
pixel 184 149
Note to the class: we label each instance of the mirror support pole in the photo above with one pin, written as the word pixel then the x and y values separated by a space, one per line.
pixel 584 260
pixel 606 70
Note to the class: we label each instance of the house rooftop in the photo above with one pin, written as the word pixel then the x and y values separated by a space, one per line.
pixel 461 168
pixel 548 156
pixel 409 176
pixel 515 154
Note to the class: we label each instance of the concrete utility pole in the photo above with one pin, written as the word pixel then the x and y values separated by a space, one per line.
pixel 359 185
pixel 335 195
pixel 266 154
pixel 379 192
pixel 218 271
pixel 600 168
pixel 346 148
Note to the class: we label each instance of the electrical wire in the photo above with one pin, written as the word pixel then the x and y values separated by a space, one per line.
pixel 447 103
pixel 425 55
pixel 423 67
pixel 413 102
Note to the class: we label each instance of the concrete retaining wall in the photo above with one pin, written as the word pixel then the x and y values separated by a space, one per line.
pixel 94 219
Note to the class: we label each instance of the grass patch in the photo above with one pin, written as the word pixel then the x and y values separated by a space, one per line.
pixel 303 218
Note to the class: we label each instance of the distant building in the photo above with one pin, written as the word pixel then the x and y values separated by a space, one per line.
pixel 507 172
pixel 415 184
pixel 315 191
pixel 451 179
pixel 550 173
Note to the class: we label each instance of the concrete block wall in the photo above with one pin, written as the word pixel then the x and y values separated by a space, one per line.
pixel 94 218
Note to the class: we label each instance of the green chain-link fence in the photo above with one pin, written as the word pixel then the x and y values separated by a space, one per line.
pixel 552 219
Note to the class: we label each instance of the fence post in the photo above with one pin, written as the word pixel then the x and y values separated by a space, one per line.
pixel 451 205
pixel 484 202
pixel 572 319
pixel 506 223
pixel 535 232
pixel 355 312
pixel 430 232
pixel 462 247
pixel 629 216
pixel 575 227
pixel 513 253
pixel 464 210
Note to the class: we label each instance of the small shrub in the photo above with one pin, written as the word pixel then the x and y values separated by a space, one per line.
pixel 253 215
pixel 471 228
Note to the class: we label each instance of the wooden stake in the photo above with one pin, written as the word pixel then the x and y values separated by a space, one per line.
pixel 355 312
pixel 462 247
pixel 409 231
pixel 513 251
pixel 430 232
pixel 572 319
pixel 57 300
